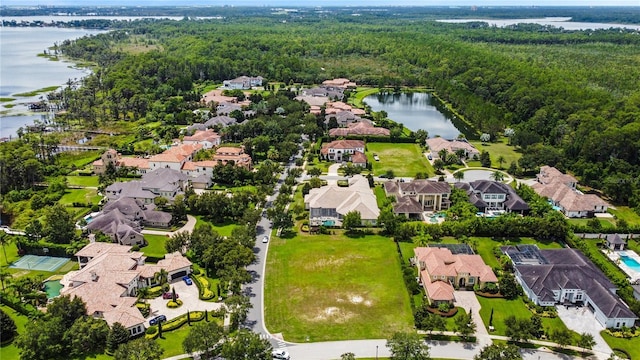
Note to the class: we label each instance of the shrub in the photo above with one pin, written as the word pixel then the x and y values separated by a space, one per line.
pixel 444 307
pixel 174 304
pixel 204 291
pixel 196 271
pixel 151 330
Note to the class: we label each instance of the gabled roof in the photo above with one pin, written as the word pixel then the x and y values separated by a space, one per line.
pixel 360 128
pixel 441 262
pixel 127 206
pixel 421 186
pixel 358 158
pixel 570 269
pixel 407 205
pixel 220 120
pixel 342 145
pixel 357 197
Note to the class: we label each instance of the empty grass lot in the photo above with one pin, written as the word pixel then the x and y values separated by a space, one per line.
pixel 84 181
pixel 84 196
pixel 405 160
pixel 624 212
pixel 331 287
pixel 498 148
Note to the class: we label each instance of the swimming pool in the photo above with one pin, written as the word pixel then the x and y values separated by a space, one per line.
pixel 52 288
pixel 328 223
pixel 630 262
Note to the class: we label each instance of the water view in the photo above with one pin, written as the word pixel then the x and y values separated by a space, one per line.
pixel 419 111
pixel 23 71
pixel 559 22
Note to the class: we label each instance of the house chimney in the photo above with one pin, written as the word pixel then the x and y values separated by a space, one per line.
pixel 94 276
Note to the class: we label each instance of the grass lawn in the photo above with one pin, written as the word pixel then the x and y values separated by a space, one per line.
pixel 361 93
pixel 85 181
pixel 331 287
pixel 606 223
pixel 503 308
pixel 155 245
pixel 171 341
pixel 485 246
pixel 510 153
pixel 10 351
pixel 624 212
pixel 404 159
pixel 381 197
pixel 322 165
pixel 222 229
pixel 632 346
pixel 78 159
pixel 84 196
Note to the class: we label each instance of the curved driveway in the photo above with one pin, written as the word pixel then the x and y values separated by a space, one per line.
pixel 191 223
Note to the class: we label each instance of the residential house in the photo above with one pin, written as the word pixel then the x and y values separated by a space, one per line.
pixel 362 128
pixel 161 182
pixel 339 106
pixel 225 154
pixel 561 191
pixel 329 204
pixel 489 195
pixel 636 291
pixel 199 172
pixel 220 120
pixel 175 156
pixel 122 220
pixel 566 276
pixel 242 82
pixel 340 83
pixel 113 158
pixel 341 150
pixel 417 196
pixel 437 144
pixel 441 271
pixel 207 138
pixel 109 278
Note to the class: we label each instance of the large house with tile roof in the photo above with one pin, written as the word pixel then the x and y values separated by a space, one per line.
pixel 561 190
pixel 207 138
pixel 341 150
pixel 566 276
pixel 362 128
pixel 441 272
pixel 329 204
pixel 225 154
pixel 242 82
pixel 438 144
pixel 415 197
pixel 162 182
pixel 109 278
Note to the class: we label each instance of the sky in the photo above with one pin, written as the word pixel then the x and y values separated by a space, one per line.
pixel 358 3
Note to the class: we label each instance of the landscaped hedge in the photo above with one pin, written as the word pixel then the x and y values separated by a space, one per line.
pixel 18 305
pixel 176 323
pixel 489 295
pixel 37 248
pixel 204 291
pixel 447 314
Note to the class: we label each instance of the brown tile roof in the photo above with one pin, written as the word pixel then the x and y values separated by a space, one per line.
pixel 441 262
pixel 360 128
pixel 134 162
pixel 229 150
pixel 358 158
pixel 344 144
pixel 203 135
pixel 437 290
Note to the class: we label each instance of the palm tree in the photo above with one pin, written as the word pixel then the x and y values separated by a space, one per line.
pixel 161 277
pixel 143 293
pixel 501 160
pixel 458 175
pixel 497 176
pixel 4 275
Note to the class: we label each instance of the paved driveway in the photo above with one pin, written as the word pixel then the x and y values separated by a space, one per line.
pixel 188 295
pixel 580 320
pixel 191 223
pixel 467 300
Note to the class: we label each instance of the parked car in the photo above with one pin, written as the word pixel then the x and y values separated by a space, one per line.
pixel 187 280
pixel 157 319
pixel 265 239
pixel 280 354
pixel 169 295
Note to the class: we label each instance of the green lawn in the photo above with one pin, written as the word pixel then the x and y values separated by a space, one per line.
pixel 510 153
pixel 361 93
pixel 381 196
pixel 632 346
pixel 84 196
pixel 626 213
pixel 331 287
pixel 486 245
pixel 155 245
pixel 78 159
pixel 9 351
pixel 503 308
pixel 322 165
pixel 606 223
pixel 404 159
pixel 84 181
pixel 222 229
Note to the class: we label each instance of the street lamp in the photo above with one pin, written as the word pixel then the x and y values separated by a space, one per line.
pixel 376 352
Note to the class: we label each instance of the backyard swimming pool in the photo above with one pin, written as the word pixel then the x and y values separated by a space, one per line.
pixel 630 262
pixel 52 288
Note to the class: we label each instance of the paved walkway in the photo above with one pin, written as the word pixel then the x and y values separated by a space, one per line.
pixel 468 301
pixel 191 223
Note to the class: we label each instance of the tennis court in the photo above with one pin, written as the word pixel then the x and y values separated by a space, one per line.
pixel 35 262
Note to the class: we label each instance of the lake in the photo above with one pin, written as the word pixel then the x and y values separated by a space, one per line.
pixel 559 22
pixel 419 111
pixel 23 71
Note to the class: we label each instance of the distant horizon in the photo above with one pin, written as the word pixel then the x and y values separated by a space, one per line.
pixel 326 3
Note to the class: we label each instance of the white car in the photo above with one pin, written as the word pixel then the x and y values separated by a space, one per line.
pixel 265 239
pixel 280 354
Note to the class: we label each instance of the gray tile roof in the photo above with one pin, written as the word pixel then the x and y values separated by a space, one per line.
pixel 220 120
pixel 615 239
pixel 570 269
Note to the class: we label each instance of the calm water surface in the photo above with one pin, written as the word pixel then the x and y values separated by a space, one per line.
pixel 559 22
pixel 21 70
pixel 419 111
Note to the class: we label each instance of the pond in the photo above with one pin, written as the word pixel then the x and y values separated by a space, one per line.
pixel 420 111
